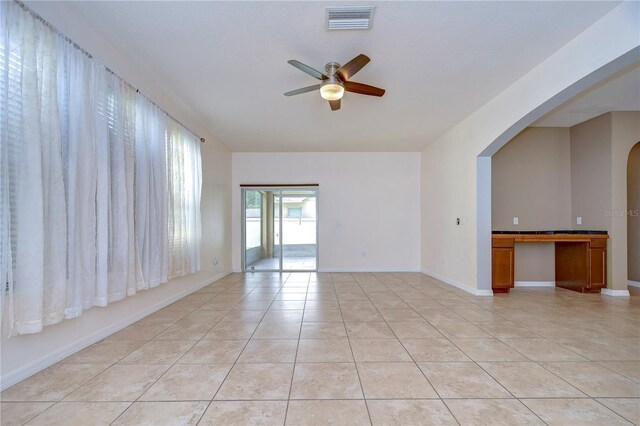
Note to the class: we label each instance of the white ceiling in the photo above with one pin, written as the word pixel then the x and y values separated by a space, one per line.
pixel 438 61
pixel 620 92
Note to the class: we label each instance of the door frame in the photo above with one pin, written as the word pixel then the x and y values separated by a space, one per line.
pixel 277 188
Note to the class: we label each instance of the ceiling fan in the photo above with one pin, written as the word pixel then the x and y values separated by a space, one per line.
pixel 336 80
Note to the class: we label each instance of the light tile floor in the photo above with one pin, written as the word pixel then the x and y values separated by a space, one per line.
pixel 382 348
pixel 288 263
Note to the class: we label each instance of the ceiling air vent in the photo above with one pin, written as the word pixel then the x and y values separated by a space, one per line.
pixel 349 17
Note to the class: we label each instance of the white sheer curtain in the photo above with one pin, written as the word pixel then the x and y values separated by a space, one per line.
pixel 185 181
pixel 82 90
pixel 124 265
pixel 151 203
pixel 34 233
pixel 100 189
pixel 97 111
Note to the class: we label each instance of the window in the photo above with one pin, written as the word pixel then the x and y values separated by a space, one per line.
pixel 253 214
pixel 99 188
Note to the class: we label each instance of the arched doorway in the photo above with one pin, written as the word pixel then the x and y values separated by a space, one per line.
pixel 483 159
pixel 633 216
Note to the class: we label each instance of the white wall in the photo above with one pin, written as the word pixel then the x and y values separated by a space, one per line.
pixel 368 202
pixel 449 185
pixel 27 354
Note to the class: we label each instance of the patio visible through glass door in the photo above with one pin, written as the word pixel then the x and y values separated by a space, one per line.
pixel 299 229
pixel 280 228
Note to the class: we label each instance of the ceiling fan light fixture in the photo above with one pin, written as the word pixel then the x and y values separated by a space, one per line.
pixel 332 90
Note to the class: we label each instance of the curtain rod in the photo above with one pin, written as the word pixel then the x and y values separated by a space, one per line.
pixel 68 40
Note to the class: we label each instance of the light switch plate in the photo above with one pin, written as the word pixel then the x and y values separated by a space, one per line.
pixel 516 221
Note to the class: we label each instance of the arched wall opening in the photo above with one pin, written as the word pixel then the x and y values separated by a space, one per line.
pixel 484 159
pixel 458 252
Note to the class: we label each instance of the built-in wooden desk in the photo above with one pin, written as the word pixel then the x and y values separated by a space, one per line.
pixel 581 258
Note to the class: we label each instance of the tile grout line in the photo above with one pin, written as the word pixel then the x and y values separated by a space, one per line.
pixel 192 346
pixel 401 344
pixel 248 340
pixel 479 366
pixel 435 398
pixel 472 360
pixel 295 359
pixel 613 371
pixel 355 364
pixel 108 365
pixel 171 366
pixel 615 412
pixel 114 363
pixel 180 357
pixel 492 377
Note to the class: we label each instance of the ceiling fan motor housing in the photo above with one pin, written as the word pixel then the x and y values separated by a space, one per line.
pixel 331 68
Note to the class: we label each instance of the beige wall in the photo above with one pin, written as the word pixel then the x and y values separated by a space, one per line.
pixel 591 179
pixel 625 134
pixel 591 173
pixel 531 180
pixel 535 262
pixel 633 220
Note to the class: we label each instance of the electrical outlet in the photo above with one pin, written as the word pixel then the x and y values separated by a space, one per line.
pixel 215 261
pixel 458 221
pixel 516 221
pixel 579 220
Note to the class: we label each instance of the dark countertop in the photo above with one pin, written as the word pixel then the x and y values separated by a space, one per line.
pixel 583 231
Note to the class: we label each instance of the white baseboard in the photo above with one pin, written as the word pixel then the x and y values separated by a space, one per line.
pixel 459 285
pixel 634 283
pixel 48 360
pixel 534 283
pixel 615 293
pixel 355 270
pixel 368 270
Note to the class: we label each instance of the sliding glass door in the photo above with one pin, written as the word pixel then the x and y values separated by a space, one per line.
pixel 279 228
pixel 299 229
pixel 262 229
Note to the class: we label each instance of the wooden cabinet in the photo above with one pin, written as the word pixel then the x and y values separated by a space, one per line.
pixel 597 268
pixel 581 266
pixel 503 267
pixel 581 259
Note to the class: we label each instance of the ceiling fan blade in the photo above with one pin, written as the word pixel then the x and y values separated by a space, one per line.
pixel 306 68
pixel 347 71
pixel 363 89
pixel 335 105
pixel 303 90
